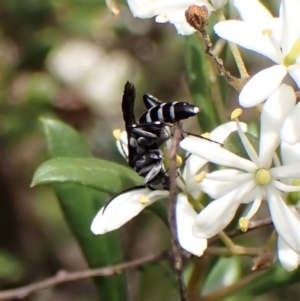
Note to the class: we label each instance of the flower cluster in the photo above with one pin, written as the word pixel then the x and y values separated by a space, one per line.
pixel 172 11
pixel 270 172
pixel 263 176
pixel 277 38
pixel 128 204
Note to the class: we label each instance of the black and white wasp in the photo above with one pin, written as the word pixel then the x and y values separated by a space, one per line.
pixel 147 136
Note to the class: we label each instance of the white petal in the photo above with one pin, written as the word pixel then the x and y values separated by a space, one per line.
pixel 253 11
pixel 262 85
pixel 185 216
pixel 221 132
pixel 184 28
pixel 247 36
pixel 286 188
pixel 288 258
pixel 122 145
pixel 218 214
pixel 135 4
pixel 255 205
pixel 252 154
pixel 152 8
pixel 294 72
pixel 193 164
pixel 217 4
pixel 220 182
pixel 123 208
pixel 229 175
pixel 213 153
pixel 275 110
pixel 291 24
pixel 290 153
pixel 217 189
pixel 290 131
pixel 285 222
pixel 286 171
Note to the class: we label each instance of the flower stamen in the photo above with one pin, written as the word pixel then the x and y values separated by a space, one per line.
pixel 268 33
pixel 245 141
pixel 199 178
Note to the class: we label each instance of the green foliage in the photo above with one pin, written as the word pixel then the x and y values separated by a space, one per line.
pixel 197 71
pixel 91 172
pixel 234 144
pixel 274 278
pixel 226 271
pixel 79 205
pixel 12 270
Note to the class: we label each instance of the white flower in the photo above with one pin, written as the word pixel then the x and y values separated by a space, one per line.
pixel 288 258
pixel 251 179
pixel 275 38
pixel 172 11
pixel 130 203
pixel 290 131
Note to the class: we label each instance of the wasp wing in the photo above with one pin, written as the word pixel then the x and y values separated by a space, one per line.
pixel 128 105
pixel 129 119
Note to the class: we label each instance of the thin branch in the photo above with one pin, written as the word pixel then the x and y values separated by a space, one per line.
pixel 253 225
pixel 63 276
pixel 241 251
pixel 197 17
pixel 172 213
pixel 236 54
pixel 226 291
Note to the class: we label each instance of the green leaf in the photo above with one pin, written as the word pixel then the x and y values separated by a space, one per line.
pixel 12 270
pixel 160 212
pixel 91 172
pixel 64 141
pixel 274 277
pixel 80 205
pixel 226 271
pixel 234 144
pixel 198 78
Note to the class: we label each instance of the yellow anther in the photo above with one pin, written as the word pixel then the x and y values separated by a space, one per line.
pixel 236 113
pixel 199 178
pixel 144 199
pixel 262 177
pixel 267 32
pixel 178 160
pixel 206 135
pixel 244 224
pixel 117 134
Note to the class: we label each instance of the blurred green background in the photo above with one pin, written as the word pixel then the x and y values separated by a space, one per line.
pixel 69 60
